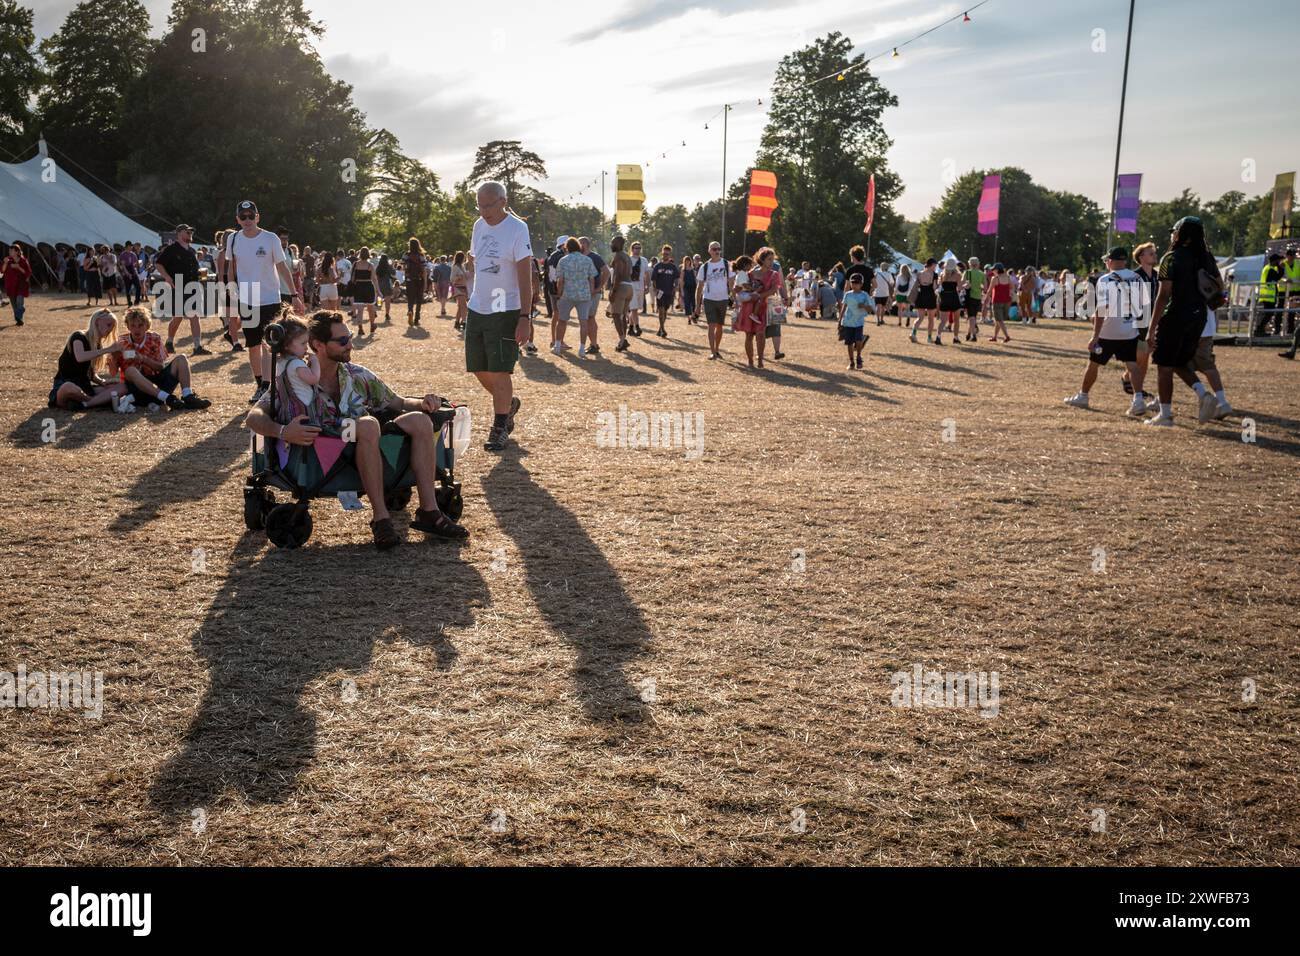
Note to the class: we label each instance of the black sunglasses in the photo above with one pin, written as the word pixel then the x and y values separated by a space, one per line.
pixel 341 339
pixel 243 216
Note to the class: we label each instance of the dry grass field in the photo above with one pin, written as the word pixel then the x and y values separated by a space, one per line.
pixel 646 658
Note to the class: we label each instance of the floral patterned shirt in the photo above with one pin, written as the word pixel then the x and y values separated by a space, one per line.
pixel 360 392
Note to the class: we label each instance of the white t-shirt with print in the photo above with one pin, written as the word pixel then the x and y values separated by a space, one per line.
pixel 344 267
pixel 497 250
pixel 256 259
pixel 1119 301
pixel 713 277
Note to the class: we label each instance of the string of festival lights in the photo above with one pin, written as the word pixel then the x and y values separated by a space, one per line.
pixel 838 75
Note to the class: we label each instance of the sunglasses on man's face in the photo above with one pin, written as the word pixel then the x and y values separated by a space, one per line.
pixel 247 215
pixel 341 339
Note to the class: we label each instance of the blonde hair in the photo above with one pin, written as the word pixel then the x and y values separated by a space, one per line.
pixel 95 339
pixel 1143 248
pixel 138 312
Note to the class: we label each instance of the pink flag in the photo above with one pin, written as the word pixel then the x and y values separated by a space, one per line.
pixel 327 451
pixel 988 208
pixel 870 207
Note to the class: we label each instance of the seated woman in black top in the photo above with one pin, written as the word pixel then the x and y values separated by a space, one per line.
pixel 78 384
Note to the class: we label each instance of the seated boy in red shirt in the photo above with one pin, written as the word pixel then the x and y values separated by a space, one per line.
pixel 149 374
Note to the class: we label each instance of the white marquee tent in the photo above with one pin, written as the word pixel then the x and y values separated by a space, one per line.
pixel 40 202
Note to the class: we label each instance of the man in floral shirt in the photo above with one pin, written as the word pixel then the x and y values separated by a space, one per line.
pixel 353 392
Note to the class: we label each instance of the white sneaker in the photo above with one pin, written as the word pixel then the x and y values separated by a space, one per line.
pixel 1208 406
pixel 1078 400
pixel 1223 411
pixel 1161 421
pixel 555 349
pixel 1137 409
pixel 582 351
pixel 1153 405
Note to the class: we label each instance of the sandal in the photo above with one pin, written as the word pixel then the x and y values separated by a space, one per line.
pixel 385 534
pixel 438 524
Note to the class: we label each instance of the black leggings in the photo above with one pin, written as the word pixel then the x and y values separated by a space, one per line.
pixel 414 298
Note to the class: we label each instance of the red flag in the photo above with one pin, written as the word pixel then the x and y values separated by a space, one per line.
pixel 762 200
pixel 870 207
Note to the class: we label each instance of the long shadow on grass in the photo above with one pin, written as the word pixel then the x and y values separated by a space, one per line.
pixel 824 382
pixel 935 366
pixel 576 589
pixel 72 429
pixel 189 474
pixel 285 620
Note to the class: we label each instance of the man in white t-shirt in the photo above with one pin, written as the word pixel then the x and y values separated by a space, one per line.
pixel 260 267
pixel 882 290
pixel 1114 333
pixel 640 283
pixel 713 294
pixel 501 262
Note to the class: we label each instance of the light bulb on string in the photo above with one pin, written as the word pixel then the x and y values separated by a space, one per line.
pixel 965 18
pixel 895 52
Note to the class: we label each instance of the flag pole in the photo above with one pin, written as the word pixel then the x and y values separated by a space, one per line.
pixel 1119 135
pixel 722 241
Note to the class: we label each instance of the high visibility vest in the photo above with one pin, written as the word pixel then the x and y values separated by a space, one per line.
pixel 1292 273
pixel 1268 285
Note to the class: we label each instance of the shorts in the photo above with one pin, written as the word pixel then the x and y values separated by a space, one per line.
pixel 110 282
pixel 973 306
pixel 587 310
pixel 638 298
pixel 1142 334
pixel 490 344
pixel 881 299
pixel 715 311
pixel 260 316
pixel 60 382
pixel 443 289
pixel 901 298
pixel 852 334
pixel 328 291
pixel 1123 349
pixel 772 331
pixel 563 306
pixel 1177 341
pixel 620 299
pixel 164 380
pixel 1002 311
pixel 664 300
pixel 1203 360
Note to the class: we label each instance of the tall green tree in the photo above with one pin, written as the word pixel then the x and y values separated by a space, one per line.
pixel 667 224
pixel 20 76
pixel 506 161
pixel 92 64
pixel 823 140
pixel 1036 226
pixel 241 107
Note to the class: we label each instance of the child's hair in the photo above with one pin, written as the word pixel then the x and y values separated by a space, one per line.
pixel 742 262
pixel 137 312
pixel 293 328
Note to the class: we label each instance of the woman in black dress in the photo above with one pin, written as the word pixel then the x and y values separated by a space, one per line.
pixel 926 302
pixel 949 302
pixel 77 383
pixel 363 289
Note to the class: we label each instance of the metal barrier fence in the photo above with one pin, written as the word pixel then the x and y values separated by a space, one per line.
pixel 1244 319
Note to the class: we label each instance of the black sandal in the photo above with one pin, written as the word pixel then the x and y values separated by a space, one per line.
pixel 438 524
pixel 385 534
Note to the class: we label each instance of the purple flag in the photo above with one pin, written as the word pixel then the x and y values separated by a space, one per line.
pixel 988 208
pixel 1127 187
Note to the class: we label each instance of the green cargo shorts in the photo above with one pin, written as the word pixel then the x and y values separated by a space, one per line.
pixel 490 344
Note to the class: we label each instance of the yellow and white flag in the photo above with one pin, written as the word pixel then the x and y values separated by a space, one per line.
pixel 631 195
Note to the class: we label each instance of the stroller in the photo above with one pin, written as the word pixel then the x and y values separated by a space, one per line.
pixel 327 468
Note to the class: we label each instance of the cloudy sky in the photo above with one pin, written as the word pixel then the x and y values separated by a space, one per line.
pixel 589 84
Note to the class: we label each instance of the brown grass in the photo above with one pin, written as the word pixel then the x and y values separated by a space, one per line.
pixel 482 686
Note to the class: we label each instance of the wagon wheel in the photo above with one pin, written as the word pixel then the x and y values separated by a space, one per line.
pixel 288 526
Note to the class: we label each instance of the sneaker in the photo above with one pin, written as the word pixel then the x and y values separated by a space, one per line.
pixel 1287 355
pixel 593 349
pixel 713 356
pixel 1161 421
pixel 850 366
pixel 226 335
pixel 555 349
pixel 779 355
pixel 1078 400
pixel 496 440
pixel 912 337
pixel 621 347
pixel 200 350
pixel 1128 386
pixel 582 351
pixel 1207 407
pixel 859 361
pixel 938 340
pixel 1223 411
pixel 194 403
pixel 510 416
pixel 257 394
pixel 173 401
pixel 530 348
pixel 1137 409
pixel 237 347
